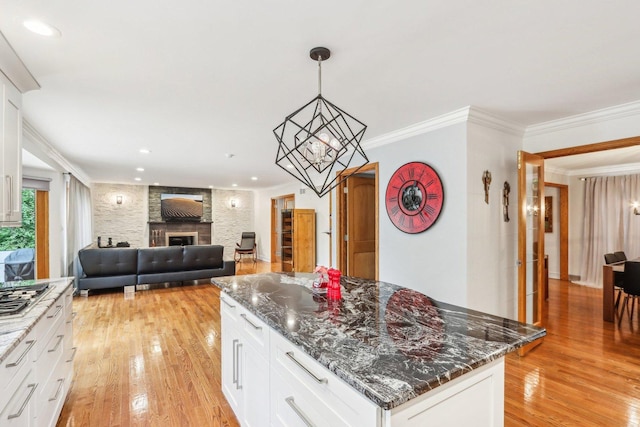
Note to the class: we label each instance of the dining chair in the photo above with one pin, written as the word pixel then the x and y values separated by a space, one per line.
pixel 617 277
pixel 631 286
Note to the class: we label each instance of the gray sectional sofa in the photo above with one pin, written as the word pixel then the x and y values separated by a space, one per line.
pixel 119 267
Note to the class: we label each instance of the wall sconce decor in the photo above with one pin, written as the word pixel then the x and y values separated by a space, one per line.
pixel 119 200
pixel 319 139
pixel 505 201
pixel 635 207
pixel 486 180
pixel 233 203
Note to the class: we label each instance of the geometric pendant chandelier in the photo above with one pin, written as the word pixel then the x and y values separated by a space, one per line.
pixel 319 139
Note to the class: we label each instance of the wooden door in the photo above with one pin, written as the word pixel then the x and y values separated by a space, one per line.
pixel 361 232
pixel 530 241
pixel 304 240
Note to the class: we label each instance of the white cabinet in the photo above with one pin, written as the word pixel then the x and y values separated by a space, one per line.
pixel 245 363
pixel 36 375
pixel 10 155
pixel 306 393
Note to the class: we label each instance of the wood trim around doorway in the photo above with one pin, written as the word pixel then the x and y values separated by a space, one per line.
pixel 564 228
pixel 341 216
pixel 591 148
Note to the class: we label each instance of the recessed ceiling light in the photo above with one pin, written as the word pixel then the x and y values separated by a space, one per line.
pixel 138 178
pixel 211 186
pixel 140 169
pixel 41 28
pixel 289 166
pixel 254 178
pixel 234 185
pixel 156 183
pixel 145 151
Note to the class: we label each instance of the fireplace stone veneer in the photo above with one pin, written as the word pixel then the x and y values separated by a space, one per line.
pixel 159 232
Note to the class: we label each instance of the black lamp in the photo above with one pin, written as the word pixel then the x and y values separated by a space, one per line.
pixel 319 139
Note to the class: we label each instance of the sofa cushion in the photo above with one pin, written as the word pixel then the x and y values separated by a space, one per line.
pixel 160 260
pixel 200 257
pixel 108 261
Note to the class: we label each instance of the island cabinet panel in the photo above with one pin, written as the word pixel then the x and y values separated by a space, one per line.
pixel 245 364
pixel 476 399
pixel 305 391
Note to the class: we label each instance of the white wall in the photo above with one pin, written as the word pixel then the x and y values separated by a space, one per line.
pixel 433 262
pixel 492 243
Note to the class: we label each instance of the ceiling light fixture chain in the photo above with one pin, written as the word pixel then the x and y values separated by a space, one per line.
pixel 319 140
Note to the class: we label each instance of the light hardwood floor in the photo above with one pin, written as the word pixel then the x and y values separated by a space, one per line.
pixel 154 360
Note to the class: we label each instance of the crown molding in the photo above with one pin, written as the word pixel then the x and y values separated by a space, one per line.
pixel 452 118
pixel 469 114
pixel 490 120
pixel 592 117
pixel 42 144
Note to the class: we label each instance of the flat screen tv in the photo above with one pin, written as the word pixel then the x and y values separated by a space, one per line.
pixel 181 207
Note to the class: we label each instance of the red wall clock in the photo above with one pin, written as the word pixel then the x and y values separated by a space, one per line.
pixel 414 197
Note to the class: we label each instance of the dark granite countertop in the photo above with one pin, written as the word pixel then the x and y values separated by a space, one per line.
pixel 14 329
pixel 388 342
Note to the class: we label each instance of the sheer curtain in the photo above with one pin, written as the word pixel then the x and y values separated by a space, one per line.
pixel 78 222
pixel 609 224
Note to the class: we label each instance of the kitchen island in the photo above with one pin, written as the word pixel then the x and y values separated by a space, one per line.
pixel 383 355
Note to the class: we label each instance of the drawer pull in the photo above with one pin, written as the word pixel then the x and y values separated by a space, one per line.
pixel 61 381
pixel 24 353
pixel 235 360
pixel 24 404
pixel 238 386
pixel 256 327
pixel 59 309
pixel 60 337
pixel 318 380
pixel 73 356
pixel 228 305
pixel 292 403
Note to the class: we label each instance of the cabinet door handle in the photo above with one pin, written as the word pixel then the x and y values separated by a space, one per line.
pixel 59 309
pixel 256 327
pixel 9 179
pixel 235 374
pixel 24 353
pixel 73 356
pixel 61 381
pixel 318 380
pixel 60 337
pixel 238 386
pixel 24 404
pixel 228 305
pixel 292 403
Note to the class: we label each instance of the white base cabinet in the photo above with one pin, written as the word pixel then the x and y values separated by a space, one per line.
pixel 245 363
pixel 39 371
pixel 269 381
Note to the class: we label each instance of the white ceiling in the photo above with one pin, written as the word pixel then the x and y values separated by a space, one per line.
pixel 194 80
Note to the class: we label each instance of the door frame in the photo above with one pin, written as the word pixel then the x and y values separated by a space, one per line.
pixel 342 217
pixel 564 227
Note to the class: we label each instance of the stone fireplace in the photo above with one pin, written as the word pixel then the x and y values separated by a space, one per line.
pixel 179 233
